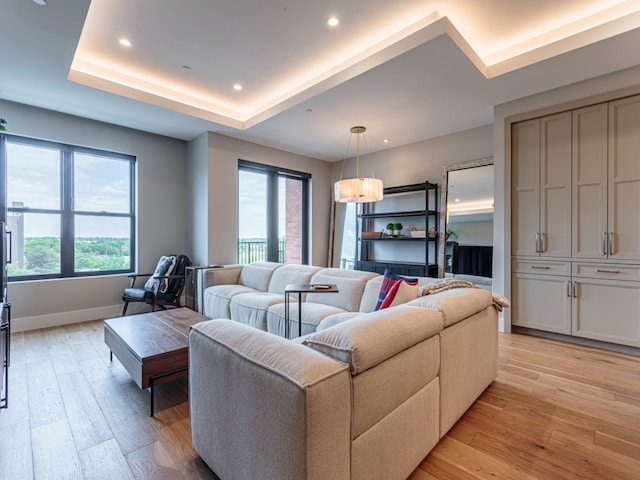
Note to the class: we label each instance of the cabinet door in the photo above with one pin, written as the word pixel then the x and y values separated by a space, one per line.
pixel 589 172
pixel 525 181
pixel 607 310
pixel 542 302
pixel 624 179
pixel 555 185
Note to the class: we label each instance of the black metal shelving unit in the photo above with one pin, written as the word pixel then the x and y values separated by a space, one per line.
pixel 370 232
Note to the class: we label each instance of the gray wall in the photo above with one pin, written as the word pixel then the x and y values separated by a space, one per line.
pixel 213 185
pixel 161 204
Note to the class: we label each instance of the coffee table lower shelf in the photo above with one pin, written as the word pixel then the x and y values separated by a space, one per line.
pixel 153 347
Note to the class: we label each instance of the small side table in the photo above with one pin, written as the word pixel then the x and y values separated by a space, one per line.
pixel 301 288
pixel 193 279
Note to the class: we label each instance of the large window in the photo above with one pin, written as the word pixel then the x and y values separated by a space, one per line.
pixel 70 209
pixel 273 207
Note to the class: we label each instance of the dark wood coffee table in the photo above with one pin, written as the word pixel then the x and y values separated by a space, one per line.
pixel 153 347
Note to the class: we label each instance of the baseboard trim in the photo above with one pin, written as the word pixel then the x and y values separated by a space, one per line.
pixel 25 324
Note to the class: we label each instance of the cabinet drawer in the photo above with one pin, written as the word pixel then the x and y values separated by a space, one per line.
pixel 606 270
pixel 541 267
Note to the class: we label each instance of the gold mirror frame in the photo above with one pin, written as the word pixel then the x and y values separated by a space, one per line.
pixel 444 189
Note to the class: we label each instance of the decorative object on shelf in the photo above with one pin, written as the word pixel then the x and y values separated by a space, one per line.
pixel 433 233
pixel 3 122
pixel 397 229
pixel 390 228
pixel 415 233
pixel 359 189
pixel 450 233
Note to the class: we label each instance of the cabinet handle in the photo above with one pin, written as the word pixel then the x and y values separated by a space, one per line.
pixel 575 289
pixel 539 268
pixel 604 243
pixel 611 238
pixel 542 243
pixel 537 240
pixel 569 289
pixel 608 271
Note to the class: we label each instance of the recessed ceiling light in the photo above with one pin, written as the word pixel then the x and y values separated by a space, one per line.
pixel 124 42
pixel 333 21
pixel 40 2
pixel 457 200
pixel 237 87
pixel 386 140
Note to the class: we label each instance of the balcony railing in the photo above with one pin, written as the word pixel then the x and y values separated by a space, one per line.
pixel 256 251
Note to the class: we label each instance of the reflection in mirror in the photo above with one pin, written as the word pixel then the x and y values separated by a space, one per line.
pixel 466 225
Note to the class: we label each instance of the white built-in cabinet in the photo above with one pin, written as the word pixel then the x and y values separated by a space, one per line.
pixel 541 200
pixel 576 222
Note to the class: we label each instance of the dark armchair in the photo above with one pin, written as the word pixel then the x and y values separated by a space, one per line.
pixel 163 287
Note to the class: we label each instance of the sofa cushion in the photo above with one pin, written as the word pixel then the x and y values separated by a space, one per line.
pixel 396 289
pixel 369 339
pixel 455 304
pixel 335 319
pixel 217 299
pixel 258 275
pixel 312 315
pixel 291 273
pixel 350 285
pixel 251 308
pixel 370 295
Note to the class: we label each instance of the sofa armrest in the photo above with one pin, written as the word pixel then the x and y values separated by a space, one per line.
pixel 265 407
pixel 225 275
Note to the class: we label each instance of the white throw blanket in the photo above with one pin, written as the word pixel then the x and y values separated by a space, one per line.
pixel 499 301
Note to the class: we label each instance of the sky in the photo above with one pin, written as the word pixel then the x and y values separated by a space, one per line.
pixel 101 185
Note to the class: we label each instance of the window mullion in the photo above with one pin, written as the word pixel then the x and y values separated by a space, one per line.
pixel 272 214
pixel 67 217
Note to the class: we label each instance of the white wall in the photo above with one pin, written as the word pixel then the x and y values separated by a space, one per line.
pixel 161 204
pixel 415 163
pixel 608 87
pixel 221 209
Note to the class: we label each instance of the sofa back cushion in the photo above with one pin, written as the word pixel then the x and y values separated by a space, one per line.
pixel 350 285
pixel 371 338
pixel 291 274
pixel 455 304
pixel 258 275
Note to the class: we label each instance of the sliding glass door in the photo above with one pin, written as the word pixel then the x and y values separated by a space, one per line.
pixel 273 205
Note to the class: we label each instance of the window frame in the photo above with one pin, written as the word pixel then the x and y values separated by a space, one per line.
pixel 66 211
pixel 273 174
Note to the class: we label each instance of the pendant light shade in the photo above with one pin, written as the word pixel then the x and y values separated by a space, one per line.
pixel 359 189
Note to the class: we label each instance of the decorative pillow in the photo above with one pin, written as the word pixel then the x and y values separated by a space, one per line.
pixel 396 289
pixel 165 267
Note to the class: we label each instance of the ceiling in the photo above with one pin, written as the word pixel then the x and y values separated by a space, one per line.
pixel 408 70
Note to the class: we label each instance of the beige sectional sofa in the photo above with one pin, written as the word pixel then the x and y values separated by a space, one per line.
pixel 364 398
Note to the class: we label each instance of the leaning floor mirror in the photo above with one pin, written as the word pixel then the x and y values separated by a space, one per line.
pixel 466 225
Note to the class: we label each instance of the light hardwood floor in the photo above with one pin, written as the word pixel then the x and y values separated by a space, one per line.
pixel 556 411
